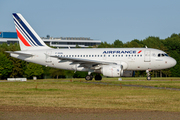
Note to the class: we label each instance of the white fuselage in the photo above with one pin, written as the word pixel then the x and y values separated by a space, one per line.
pixel 130 58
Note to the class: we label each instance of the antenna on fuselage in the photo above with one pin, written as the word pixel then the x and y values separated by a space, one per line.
pixel 146 46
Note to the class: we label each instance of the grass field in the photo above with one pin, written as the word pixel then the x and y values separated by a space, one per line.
pixel 74 93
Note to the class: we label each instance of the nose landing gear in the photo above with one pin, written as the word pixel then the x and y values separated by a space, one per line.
pixel 148 74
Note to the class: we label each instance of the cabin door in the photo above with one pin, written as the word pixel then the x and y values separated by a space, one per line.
pixel 147 56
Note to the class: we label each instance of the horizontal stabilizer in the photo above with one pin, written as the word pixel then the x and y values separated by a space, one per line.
pixel 20 53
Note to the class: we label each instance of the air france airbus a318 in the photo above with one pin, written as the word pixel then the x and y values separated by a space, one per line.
pixel 111 62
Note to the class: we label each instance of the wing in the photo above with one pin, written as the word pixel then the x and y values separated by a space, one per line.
pixel 93 64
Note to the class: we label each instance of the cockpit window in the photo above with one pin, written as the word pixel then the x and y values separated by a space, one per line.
pixel 162 54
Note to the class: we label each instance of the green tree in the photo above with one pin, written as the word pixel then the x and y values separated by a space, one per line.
pixel 118 44
pixel 167 72
pixel 79 74
pixel 54 72
pixel 104 45
pixel 34 70
pixel 173 45
pixel 5 66
pixel 18 67
pixel 154 42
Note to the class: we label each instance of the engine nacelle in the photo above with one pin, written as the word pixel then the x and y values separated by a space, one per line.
pixel 112 70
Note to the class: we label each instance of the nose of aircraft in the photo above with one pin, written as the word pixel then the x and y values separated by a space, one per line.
pixel 173 62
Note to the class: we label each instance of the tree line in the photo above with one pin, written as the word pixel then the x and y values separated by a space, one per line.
pixel 12 67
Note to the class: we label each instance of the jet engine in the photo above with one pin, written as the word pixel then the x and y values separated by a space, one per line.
pixel 112 70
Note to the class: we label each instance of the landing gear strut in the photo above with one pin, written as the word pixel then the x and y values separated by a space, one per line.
pixel 148 74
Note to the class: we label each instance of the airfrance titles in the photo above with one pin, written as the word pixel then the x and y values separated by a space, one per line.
pixel 120 52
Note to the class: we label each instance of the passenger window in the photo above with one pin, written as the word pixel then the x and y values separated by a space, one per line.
pixel 72 55
pixel 92 55
pixel 69 55
pixel 108 55
pixel 86 55
pixel 89 55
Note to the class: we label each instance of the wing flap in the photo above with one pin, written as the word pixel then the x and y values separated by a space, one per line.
pixel 84 62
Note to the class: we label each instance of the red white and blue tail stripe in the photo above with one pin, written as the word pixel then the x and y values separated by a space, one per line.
pixel 28 38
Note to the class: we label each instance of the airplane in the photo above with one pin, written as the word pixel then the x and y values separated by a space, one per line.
pixel 111 62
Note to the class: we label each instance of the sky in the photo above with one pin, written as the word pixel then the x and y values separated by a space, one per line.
pixel 105 20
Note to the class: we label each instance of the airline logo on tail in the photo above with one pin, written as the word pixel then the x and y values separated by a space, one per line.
pixel 25 32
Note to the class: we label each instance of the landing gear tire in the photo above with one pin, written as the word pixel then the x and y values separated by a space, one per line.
pixel 98 77
pixel 89 77
pixel 148 77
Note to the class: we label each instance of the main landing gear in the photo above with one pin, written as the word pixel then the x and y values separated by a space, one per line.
pixel 148 74
pixel 90 77
pixel 98 77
